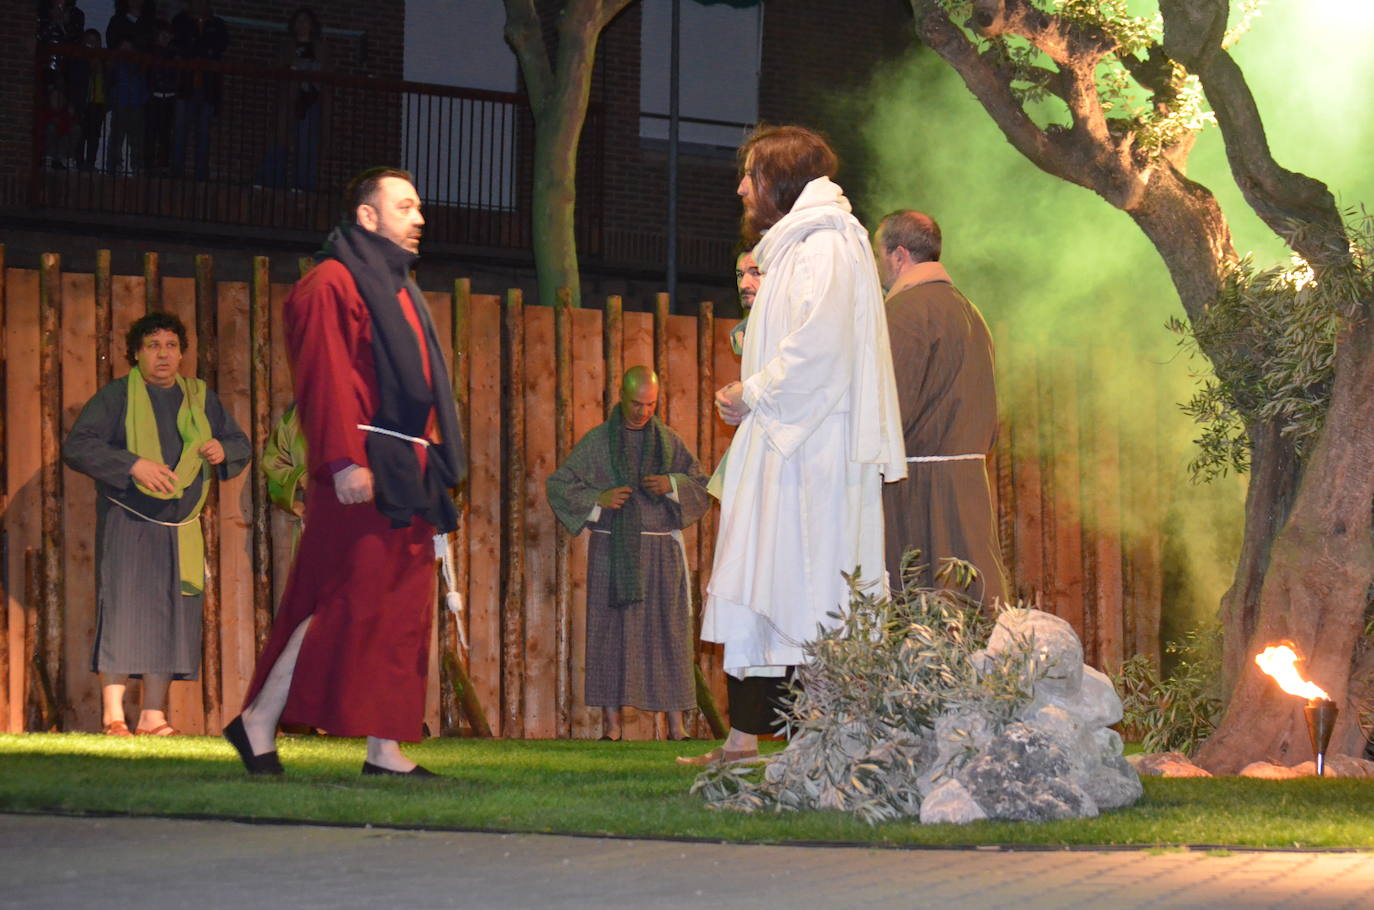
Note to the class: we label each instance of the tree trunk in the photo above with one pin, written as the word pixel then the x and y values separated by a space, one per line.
pixel 555 175
pixel 1316 588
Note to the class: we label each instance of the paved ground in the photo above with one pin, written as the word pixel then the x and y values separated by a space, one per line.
pixel 152 864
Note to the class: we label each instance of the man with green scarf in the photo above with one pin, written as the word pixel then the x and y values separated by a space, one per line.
pixel 151 440
pixel 634 483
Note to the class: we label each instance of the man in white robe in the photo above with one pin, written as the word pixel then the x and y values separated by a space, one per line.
pixel 819 431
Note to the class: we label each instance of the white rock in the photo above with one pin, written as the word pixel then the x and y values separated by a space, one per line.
pixel 951 804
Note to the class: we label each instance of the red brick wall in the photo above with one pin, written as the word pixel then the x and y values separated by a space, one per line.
pixel 16 92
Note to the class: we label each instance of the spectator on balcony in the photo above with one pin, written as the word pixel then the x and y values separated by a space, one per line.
pixel 60 22
pixel 138 30
pixel 58 126
pixel 86 93
pixel 300 112
pixel 128 96
pixel 160 115
pixel 200 35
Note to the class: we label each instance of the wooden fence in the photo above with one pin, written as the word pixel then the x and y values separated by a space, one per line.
pixel 530 380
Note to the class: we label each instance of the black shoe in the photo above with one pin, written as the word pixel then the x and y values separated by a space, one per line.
pixel 267 763
pixel 415 772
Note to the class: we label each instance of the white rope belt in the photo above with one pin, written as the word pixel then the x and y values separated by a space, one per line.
pixel 385 432
pixel 645 533
pixel 165 524
pixel 926 459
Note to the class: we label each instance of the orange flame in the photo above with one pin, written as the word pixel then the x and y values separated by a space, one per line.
pixel 1278 661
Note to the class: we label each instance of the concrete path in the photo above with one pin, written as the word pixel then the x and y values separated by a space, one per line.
pixel 152 864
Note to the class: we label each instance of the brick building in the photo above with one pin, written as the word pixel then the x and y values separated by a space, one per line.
pixel 812 54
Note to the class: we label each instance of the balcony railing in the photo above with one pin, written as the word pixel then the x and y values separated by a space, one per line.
pixel 229 144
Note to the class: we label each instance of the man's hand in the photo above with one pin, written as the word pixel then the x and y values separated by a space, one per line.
pixel 730 404
pixel 658 484
pixel 153 476
pixel 613 498
pixel 212 452
pixel 353 485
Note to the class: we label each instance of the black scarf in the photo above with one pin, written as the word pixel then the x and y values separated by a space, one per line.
pixel 381 268
pixel 627 576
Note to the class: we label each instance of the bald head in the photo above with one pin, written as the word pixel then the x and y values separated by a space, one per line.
pixel 638 396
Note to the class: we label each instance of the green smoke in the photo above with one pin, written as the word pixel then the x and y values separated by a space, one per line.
pixel 1062 272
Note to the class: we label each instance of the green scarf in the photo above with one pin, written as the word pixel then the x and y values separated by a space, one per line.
pixel 140 430
pixel 627 577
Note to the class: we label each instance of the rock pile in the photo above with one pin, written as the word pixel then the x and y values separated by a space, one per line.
pixel 1057 758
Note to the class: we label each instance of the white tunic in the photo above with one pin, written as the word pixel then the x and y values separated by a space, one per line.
pixel 801 486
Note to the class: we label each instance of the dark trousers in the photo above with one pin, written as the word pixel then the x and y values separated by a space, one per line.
pixel 755 702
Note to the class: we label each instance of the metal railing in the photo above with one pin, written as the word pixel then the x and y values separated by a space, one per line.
pixel 230 144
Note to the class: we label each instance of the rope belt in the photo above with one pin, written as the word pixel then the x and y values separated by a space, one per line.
pixel 644 533
pixel 385 432
pixel 682 548
pixel 165 524
pixel 926 459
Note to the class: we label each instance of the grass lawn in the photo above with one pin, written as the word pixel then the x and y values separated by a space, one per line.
pixel 600 788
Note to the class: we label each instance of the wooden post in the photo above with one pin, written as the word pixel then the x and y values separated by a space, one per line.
pixel 35 686
pixel 152 283
pixel 612 349
pixel 513 516
pixel 457 693
pixel 104 319
pixel 662 303
pixel 260 392
pixel 706 446
pixel 207 366
pixel 562 559
pixel 53 601
pixel 4 509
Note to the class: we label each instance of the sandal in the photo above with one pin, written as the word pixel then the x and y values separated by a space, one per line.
pixel 163 730
pixel 116 728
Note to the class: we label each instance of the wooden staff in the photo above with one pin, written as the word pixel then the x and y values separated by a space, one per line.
pixel 207 367
pixel 513 515
pixel 152 283
pixel 562 557
pixel 706 447
pixel 260 392
pixel 50 455
pixel 662 302
pixel 459 685
pixel 104 319
pixel 4 510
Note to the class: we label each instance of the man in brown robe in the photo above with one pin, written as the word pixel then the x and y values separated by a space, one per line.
pixel 942 354
pixel 634 483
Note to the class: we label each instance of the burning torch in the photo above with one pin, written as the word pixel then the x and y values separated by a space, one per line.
pixel 1278 661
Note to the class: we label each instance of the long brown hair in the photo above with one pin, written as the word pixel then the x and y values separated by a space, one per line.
pixel 781 161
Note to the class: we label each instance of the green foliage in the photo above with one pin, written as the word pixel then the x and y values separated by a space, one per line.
pixel 1173 713
pixel 1153 118
pixel 1271 340
pixel 868 695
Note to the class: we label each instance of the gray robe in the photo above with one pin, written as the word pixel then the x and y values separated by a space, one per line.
pixel 942 355
pixel 640 655
pixel 144 624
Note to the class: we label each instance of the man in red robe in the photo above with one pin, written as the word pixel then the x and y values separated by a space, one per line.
pixel 349 650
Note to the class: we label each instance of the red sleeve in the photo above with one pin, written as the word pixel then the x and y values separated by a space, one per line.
pixel 327 331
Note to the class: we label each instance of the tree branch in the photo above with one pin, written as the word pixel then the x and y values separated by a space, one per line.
pixel 1282 198
pixel 1089 155
pixel 526 37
